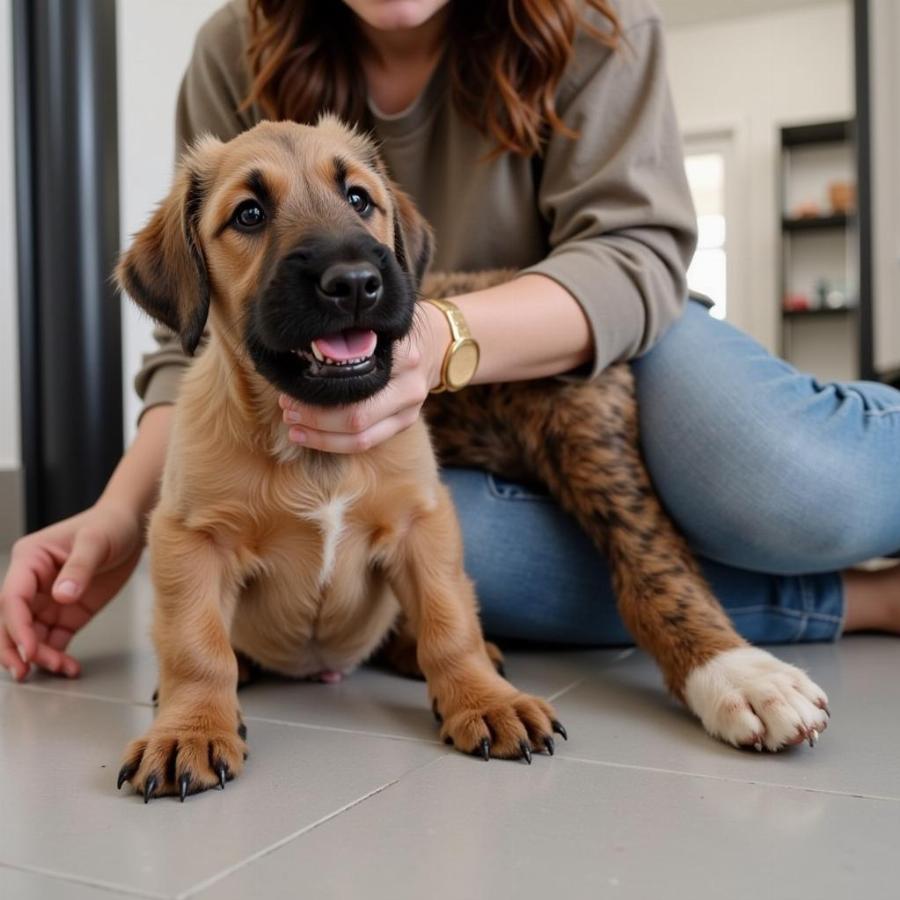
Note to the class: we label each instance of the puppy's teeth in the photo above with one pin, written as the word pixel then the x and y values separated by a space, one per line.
pixel 317 353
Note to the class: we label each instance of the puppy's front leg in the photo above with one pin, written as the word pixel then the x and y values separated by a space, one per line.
pixel 197 739
pixel 479 710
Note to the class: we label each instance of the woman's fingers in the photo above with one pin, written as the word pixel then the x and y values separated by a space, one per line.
pixel 18 620
pixel 56 661
pixel 359 442
pixel 31 568
pixel 10 658
pixel 90 549
pixel 407 387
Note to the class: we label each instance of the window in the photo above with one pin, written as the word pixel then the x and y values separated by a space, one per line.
pixel 707 273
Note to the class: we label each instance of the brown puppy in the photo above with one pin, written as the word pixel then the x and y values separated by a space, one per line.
pixel 581 442
pixel 304 259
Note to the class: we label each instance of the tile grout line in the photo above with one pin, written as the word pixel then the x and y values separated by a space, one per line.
pixel 565 690
pixel 768 784
pixel 225 873
pixel 379 734
pixel 80 695
pixel 79 879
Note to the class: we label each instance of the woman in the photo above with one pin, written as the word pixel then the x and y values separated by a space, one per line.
pixel 770 475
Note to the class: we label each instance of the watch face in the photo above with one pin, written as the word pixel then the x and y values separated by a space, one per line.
pixel 462 364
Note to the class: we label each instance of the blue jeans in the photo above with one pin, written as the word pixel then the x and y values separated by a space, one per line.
pixel 777 480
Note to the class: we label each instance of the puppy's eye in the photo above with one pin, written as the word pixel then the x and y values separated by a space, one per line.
pixel 360 200
pixel 249 216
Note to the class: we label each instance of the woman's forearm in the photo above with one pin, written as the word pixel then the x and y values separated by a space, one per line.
pixel 530 327
pixel 135 483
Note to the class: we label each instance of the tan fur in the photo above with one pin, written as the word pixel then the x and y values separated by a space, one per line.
pixel 239 541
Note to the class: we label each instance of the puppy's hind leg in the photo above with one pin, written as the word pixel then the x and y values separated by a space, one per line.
pixel 585 448
pixel 197 739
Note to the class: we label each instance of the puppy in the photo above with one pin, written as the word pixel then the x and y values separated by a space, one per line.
pixel 303 258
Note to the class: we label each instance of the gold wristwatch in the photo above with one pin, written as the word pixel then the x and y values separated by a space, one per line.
pixel 461 358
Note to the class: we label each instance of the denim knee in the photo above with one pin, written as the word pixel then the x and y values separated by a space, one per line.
pixel 760 466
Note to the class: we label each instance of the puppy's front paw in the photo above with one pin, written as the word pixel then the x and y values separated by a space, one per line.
pixel 184 755
pixel 503 723
pixel 749 698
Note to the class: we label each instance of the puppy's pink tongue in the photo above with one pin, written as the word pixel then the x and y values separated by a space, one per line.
pixel 350 344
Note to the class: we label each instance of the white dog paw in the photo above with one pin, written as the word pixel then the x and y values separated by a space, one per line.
pixel 749 698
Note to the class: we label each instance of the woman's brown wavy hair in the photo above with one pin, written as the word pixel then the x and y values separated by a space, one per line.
pixel 506 60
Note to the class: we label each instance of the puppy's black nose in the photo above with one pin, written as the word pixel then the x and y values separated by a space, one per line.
pixel 354 286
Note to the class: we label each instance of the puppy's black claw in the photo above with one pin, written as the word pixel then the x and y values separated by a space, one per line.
pixel 549 745
pixel 149 788
pixel 485 749
pixel 222 772
pixel 558 728
pixel 155 698
pixel 184 784
pixel 448 741
pixel 125 774
pixel 242 731
pixel 526 751
pixel 438 717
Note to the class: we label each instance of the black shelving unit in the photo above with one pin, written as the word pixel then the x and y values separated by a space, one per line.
pixel 821 311
pixel 816 223
pixel 798 234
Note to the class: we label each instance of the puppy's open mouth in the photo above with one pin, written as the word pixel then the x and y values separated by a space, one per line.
pixel 342 354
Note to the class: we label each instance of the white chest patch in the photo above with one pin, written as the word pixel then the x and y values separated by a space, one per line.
pixel 330 519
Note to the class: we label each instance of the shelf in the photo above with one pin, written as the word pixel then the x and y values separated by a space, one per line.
pixel 816 223
pixel 820 133
pixel 823 312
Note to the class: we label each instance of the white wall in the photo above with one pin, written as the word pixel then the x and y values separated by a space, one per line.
pixel 155 42
pixel 750 76
pixel 10 457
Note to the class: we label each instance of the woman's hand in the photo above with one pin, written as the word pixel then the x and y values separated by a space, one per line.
pixel 361 426
pixel 59 578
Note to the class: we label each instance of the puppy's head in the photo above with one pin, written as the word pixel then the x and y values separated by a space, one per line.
pixel 294 242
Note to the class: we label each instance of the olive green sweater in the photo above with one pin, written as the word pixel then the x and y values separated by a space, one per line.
pixel 607 215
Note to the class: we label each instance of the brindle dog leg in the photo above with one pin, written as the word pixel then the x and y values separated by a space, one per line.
pixel 479 710
pixel 197 739
pixel 581 442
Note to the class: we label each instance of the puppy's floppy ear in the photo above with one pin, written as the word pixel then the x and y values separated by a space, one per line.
pixel 413 237
pixel 164 270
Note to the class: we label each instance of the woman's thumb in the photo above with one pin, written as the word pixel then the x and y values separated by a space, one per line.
pixel 88 551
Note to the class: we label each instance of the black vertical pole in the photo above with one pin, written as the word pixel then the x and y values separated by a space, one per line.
pixel 864 185
pixel 68 222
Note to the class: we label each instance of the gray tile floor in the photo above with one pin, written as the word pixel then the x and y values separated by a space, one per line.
pixel 348 793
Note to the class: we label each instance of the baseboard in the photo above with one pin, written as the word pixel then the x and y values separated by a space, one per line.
pixel 11 507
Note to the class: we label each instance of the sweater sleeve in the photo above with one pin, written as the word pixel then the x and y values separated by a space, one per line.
pixel 211 91
pixel 622 222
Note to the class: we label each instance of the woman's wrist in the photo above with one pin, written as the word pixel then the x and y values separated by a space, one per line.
pixel 527 328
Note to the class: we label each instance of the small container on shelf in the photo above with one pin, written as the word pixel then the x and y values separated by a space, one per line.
pixel 796 302
pixel 809 209
pixel 842 196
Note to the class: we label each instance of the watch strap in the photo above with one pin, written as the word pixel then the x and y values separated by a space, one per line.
pixel 459 331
